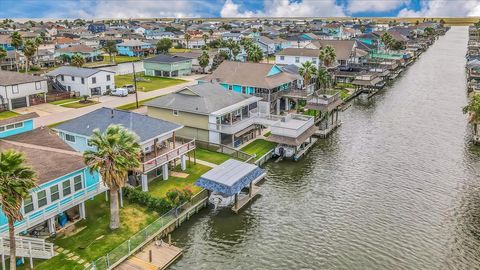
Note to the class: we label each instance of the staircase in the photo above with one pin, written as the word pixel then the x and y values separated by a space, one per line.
pixel 28 247
pixel 55 85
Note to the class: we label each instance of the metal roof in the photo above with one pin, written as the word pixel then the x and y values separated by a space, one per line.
pixel 75 71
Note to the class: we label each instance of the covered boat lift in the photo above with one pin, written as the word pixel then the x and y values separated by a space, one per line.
pixel 230 177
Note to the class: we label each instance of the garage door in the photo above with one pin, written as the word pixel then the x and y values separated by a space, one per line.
pixel 19 102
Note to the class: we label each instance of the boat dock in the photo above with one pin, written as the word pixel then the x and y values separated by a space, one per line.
pixel 152 257
pixel 240 203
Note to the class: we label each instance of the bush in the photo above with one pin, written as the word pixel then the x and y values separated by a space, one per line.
pixel 175 197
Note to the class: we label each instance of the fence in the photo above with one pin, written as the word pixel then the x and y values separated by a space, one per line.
pixel 263 159
pixel 234 153
pixel 147 234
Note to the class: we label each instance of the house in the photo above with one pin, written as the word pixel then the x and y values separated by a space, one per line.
pixel 267 45
pixel 158 34
pixel 17 89
pixel 88 53
pixel 164 65
pixel 157 138
pixel 62 42
pixel 135 48
pixel 346 51
pixel 64 181
pixel 96 28
pixel 16 125
pixel 5 43
pixel 11 60
pixel 297 56
pixel 194 56
pixel 86 81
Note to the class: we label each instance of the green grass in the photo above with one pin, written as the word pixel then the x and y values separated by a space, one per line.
pixel 133 105
pixel 211 156
pixel 133 218
pixel 173 50
pixel 78 104
pixel 118 59
pixel 344 94
pixel 59 262
pixel 151 83
pixel 159 188
pixel 63 101
pixel 258 147
pixel 56 124
pixel 7 114
pixel 267 134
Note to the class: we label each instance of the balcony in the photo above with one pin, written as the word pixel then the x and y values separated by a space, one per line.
pixel 165 155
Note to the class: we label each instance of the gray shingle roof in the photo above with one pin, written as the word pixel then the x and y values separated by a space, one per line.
pixel 144 126
pixel 74 71
pixel 165 58
pixel 10 77
pixel 203 98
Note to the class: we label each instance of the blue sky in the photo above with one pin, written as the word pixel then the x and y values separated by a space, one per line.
pixel 236 8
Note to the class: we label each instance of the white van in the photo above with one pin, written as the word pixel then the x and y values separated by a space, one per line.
pixel 119 92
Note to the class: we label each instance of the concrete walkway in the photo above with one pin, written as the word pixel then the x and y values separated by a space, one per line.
pixel 51 115
pixel 206 163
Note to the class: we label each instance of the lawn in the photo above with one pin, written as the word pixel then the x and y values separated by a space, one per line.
pixel 93 237
pixel 146 83
pixel 173 50
pixel 118 59
pixel 211 156
pixel 63 101
pixel 78 104
pixel 59 262
pixel 159 187
pixel 133 105
pixel 7 114
pixel 258 147
pixel 344 94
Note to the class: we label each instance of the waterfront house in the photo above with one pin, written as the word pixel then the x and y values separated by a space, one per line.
pixel 164 65
pixel 86 81
pixel 135 48
pixel 90 54
pixel 96 28
pixel 17 89
pixel 64 182
pixel 346 51
pixel 156 137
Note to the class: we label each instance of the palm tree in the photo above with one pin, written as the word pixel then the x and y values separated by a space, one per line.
pixel 3 54
pixel 327 55
pixel 16 181
pixel 323 78
pixel 210 32
pixel 473 109
pixel 16 42
pixel 235 51
pixel 116 152
pixel 387 40
pixel 38 41
pixel 187 38
pixel 205 38
pixel 110 48
pixel 307 70
pixel 203 60
pixel 78 60
pixel 254 53
pixel 29 49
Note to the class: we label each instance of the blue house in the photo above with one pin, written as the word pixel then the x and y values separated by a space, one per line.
pixel 64 182
pixel 135 48
pixel 16 125
pixel 5 43
pixel 97 28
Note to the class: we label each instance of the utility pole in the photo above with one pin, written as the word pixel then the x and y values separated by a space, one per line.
pixel 135 83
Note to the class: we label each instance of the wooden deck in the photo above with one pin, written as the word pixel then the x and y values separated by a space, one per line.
pixel 246 199
pixel 162 257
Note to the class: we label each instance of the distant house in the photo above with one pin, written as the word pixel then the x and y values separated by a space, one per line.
pixel 97 28
pixel 16 89
pixel 62 42
pixel 88 53
pixel 158 34
pixel 87 81
pixel 297 56
pixel 267 45
pixel 135 48
pixel 5 43
pixel 164 65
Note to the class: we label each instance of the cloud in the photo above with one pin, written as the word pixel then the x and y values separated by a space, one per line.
pixel 443 8
pixel 355 6
pixel 285 8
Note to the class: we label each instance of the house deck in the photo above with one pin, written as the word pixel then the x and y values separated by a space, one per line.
pixel 162 257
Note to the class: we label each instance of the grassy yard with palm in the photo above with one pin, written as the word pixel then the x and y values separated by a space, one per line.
pixel 146 83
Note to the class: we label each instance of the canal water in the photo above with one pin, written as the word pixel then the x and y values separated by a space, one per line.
pixel 396 187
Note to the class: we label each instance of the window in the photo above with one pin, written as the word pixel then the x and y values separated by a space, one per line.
pixel 175 112
pixel 314 60
pixel 244 90
pixel 77 183
pixel 230 87
pixel 108 87
pixel 19 125
pixel 38 85
pixel 12 126
pixel 54 193
pixel 42 198
pixel 297 59
pixel 69 138
pixel 73 79
pixel 108 78
pixel 15 89
pixel 83 80
pixel 94 80
pixel 282 57
pixel 62 78
pixel 69 88
pixel 66 188
pixel 28 204
pixel 2 129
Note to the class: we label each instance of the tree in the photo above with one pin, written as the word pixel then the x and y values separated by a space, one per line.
pixel 16 181
pixel 473 110
pixel 29 49
pixel 210 32
pixel 3 53
pixel 218 59
pixel 116 152
pixel 163 45
pixel 235 51
pixel 203 60
pixel 16 42
pixel 387 40
pixel 78 60
pixel 323 78
pixel 429 31
pixel 205 38
pixel 254 53
pixel 187 38
pixel 307 70
pixel 39 41
pixel 110 48
pixel 327 55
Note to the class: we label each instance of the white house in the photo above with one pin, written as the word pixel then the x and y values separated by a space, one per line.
pixel 297 56
pixel 87 81
pixel 16 89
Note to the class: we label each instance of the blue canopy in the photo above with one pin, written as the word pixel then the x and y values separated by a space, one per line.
pixel 229 177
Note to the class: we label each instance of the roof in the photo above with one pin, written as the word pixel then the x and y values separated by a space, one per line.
pixel 75 71
pixel 300 52
pixel 10 78
pixel 203 98
pixel 230 177
pixel 145 127
pixel 44 152
pixel 249 74
pixel 166 58
pixel 132 42
pixel 18 118
pixel 76 48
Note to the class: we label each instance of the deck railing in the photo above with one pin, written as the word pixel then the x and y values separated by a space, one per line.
pixel 168 156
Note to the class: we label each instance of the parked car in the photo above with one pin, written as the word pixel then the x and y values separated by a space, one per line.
pixel 130 88
pixel 119 92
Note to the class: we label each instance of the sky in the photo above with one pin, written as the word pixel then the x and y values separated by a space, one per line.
pixel 235 8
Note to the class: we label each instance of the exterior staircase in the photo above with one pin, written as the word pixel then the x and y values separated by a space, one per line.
pixel 28 247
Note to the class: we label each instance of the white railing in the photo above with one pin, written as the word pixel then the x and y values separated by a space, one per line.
pixel 168 156
pixel 28 247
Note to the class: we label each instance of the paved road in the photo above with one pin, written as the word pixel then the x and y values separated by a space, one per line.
pixel 50 114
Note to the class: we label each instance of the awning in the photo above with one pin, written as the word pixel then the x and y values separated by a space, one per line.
pixel 230 177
